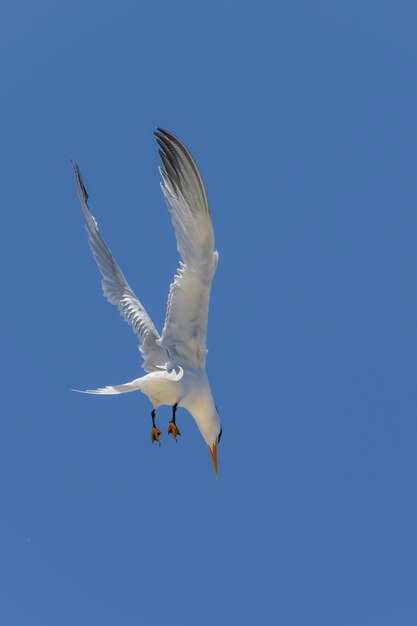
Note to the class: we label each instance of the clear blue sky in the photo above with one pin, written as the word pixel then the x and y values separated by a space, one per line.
pixel 302 117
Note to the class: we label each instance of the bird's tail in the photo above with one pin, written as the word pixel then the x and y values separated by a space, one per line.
pixel 134 385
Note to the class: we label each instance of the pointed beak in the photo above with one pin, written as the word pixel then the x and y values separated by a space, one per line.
pixel 213 453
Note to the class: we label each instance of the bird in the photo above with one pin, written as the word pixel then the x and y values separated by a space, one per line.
pixel 175 360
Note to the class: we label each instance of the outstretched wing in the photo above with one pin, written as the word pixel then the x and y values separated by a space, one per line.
pixel 117 291
pixel 185 330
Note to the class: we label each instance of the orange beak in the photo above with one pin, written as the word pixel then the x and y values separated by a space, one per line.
pixel 213 452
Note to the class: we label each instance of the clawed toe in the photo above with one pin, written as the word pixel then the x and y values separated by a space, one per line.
pixel 156 433
pixel 173 430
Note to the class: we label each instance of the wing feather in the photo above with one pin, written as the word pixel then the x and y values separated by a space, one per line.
pixel 117 290
pixel 185 330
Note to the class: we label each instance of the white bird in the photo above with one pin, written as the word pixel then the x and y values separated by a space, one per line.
pixel 175 360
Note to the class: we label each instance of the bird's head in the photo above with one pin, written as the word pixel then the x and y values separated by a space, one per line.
pixel 213 451
pixel 208 422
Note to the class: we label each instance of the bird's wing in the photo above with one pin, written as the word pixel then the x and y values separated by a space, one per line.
pixel 185 330
pixel 117 291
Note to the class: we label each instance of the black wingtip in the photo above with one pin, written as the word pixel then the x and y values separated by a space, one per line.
pixel 163 135
pixel 79 180
pixel 75 167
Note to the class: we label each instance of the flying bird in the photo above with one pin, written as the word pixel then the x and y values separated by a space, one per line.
pixel 175 360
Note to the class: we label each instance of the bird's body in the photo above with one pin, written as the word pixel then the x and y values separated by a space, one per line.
pixel 174 360
pixel 186 387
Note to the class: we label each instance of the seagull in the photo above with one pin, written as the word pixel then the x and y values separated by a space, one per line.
pixel 175 361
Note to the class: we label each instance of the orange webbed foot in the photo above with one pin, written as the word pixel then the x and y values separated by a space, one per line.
pixel 173 430
pixel 156 433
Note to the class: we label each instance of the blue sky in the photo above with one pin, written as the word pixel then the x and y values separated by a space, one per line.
pixel 301 116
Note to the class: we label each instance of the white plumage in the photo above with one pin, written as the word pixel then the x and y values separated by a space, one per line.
pixel 175 361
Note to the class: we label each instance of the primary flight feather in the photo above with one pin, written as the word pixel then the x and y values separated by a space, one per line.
pixel 174 360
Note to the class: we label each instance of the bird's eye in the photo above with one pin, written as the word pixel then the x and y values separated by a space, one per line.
pixel 220 434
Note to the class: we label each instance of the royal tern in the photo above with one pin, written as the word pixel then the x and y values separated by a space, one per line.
pixel 174 360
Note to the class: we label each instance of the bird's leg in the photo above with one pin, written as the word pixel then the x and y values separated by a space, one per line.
pixel 173 428
pixel 156 433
